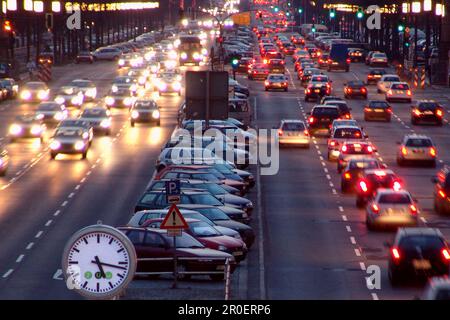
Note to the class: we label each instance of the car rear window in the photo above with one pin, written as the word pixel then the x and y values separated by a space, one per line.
pixel 293 126
pixel 396 198
pixel 400 86
pixel 419 143
pixel 428 106
pixel 356 84
pixel 277 78
pixel 378 104
pixel 363 164
pixel 319 79
pixel 347 133
pixel 425 242
pixel 326 112
pixel 392 79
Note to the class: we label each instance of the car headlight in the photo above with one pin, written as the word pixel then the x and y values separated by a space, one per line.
pixel 25 95
pixel 204 51
pixel 176 86
pixel 162 86
pixel 75 100
pixel 36 130
pixel 183 55
pixel 105 123
pixel 134 114
pixel 127 101
pixel 121 62
pixel 133 88
pixel 42 94
pixel 39 116
pixel 79 145
pixel 114 88
pixel 60 100
pixel 156 114
pixel 92 93
pixel 196 55
pixel 172 55
pixel 109 101
pixel 55 145
pixel 154 69
pixel 221 248
pixel 15 129
pixel 58 116
pixel 142 80
pixel 85 135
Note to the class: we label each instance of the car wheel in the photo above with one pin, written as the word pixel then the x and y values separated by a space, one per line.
pixel 379 91
pixel 433 163
pixel 344 188
pixel 413 121
pixel 265 89
pixel 388 119
pixel 306 99
pixel 436 206
pixel 53 156
pixel 369 225
pixel 347 69
pixel 132 123
pixel 108 132
pixel 3 173
pixel 285 90
pixel 84 155
pixel 439 123
pixel 158 123
pixel 339 169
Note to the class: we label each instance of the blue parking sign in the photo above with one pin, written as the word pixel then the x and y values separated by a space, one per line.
pixel 173 191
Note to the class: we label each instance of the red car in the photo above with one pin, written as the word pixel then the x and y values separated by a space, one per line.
pixel 155 243
pixel 209 236
pixel 258 71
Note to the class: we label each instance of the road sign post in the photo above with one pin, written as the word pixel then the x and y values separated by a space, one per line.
pixel 174 223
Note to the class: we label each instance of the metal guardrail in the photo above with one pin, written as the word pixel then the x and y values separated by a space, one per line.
pixel 226 270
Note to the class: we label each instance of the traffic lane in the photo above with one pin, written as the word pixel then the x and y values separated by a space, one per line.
pixel 307 218
pixel 108 194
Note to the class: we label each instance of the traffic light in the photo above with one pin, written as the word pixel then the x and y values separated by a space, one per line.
pixel 276 9
pixel 300 10
pixel 289 4
pixel 332 13
pixel 360 13
pixel 234 63
pixel 406 37
pixel 400 27
pixel 313 29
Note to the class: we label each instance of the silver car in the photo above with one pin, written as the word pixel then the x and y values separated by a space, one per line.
pixel 99 118
pixel 70 96
pixel 69 141
pixel 391 208
pixel 416 148
pixel 340 135
pixel 107 54
pixel 399 91
pixel 385 82
pixel 87 87
pixel 51 112
pixel 293 132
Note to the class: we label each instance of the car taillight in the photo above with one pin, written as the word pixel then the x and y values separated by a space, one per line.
pixel 363 89
pixel 308 90
pixel 439 113
pixel 413 209
pixel 347 176
pixel 417 112
pixel 370 76
pixel 348 60
pixel 404 151
pixel 446 254
pixel 266 83
pixel 366 109
pixel 375 208
pixel 347 116
pixel 397 186
pixel 442 194
pixel 433 152
pixel 333 143
pixel 408 92
pixel 369 149
pixel 344 149
pixel 389 110
pixel 389 92
pixel 311 119
pixel 395 254
pixel 280 132
pixel 306 132
pixel 363 186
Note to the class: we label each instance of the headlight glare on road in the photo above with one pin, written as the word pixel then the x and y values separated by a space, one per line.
pixel 91 93
pixel 109 101
pixel 55 145
pixel 121 62
pixel 134 114
pixel 105 123
pixel 141 80
pixel 79 145
pixel 25 95
pixel 76 100
pixel 156 114
pixel 42 94
pixel 36 130
pixel 162 86
pixel 196 56
pixel 133 88
pixel 172 55
pixel 15 129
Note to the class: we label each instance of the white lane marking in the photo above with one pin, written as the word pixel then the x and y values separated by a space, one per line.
pixel 328 177
pixel 71 195
pixel 374 296
pixel 256 109
pixel 77 187
pixel 348 228
pixel 334 191
pixel 363 266
pixel 358 253
pixel 57 212
pixel 39 234
pixel 352 240
pixel 64 203
pixel 325 170
pixel 7 274
pixel 423 219
pixel 341 209
pixel 20 258
pixel 88 173
pixel 48 223
pixel 331 184
pixel 321 158
pixel 30 245
pixel 344 217
pixel 83 180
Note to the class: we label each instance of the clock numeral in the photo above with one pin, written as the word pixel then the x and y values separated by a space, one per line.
pixel 98 286
pixel 120 276
pixel 85 240
pixel 111 285
pixel 73 262
pixel 98 238
pixel 120 250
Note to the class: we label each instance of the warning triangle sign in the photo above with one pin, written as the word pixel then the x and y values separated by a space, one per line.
pixel 174 219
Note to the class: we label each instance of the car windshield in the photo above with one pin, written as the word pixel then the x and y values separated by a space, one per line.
pixel 212 188
pixel 326 112
pixel 205 199
pixel 293 126
pixel 379 55
pixel 69 133
pixel 205 176
pixel 377 72
pixel 319 79
pixel 35 86
pixel 48 107
pixel 67 90
pixel 82 84
pixel 419 143
pixel 203 230
pixel 94 113
pixel 400 86
pixel 183 241
pixel 372 164
pixel 395 198
pixel 123 80
pixel 424 242
pixel 213 214
pixel 347 133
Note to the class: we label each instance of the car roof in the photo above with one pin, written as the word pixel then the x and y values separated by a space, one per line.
pixel 292 121
pixel 329 106
pixel 374 171
pixel 382 191
pixel 348 127
pixel 419 231
pixel 416 136
pixel 186 192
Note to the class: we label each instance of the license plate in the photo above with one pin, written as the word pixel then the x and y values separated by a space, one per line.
pixel 238 253
pixel 379 110
pixel 220 267
pixel 400 92
pixel 317 90
pixel 418 151
pixel 428 112
pixel 421 264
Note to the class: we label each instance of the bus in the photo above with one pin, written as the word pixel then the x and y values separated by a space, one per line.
pixel 190 50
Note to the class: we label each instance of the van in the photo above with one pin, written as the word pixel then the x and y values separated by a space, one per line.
pixel 339 59
pixel 240 109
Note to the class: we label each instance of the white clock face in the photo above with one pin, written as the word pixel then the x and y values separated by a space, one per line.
pixel 98 262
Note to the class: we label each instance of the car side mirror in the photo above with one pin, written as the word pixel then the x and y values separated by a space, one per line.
pixel 387 244
pixel 434 180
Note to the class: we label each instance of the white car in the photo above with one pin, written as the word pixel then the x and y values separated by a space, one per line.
pixel 378 59
pixel 438 288
pixel 385 82
pixel 34 91
pixel 87 87
pixel 293 132
pixel 343 134
pixel 107 54
pixel 70 96
pixel 416 148
pixel 399 91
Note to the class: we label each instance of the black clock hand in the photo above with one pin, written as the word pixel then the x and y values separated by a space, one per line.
pixel 110 265
pixel 99 264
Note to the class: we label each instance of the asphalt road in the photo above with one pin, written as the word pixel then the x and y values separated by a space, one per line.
pixel 45 201
pixel 315 242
